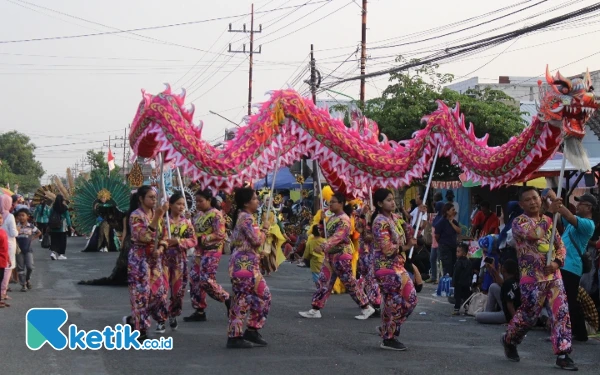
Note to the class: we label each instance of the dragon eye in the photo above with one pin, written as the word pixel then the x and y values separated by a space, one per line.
pixel 565 90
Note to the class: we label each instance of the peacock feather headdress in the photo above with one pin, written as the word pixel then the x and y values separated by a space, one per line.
pixel 105 191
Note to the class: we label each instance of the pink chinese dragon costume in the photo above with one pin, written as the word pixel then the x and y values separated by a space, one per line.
pixel 289 126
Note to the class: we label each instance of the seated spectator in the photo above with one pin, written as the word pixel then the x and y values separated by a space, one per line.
pixel 590 312
pixel 504 295
pixel 461 279
pixel 421 259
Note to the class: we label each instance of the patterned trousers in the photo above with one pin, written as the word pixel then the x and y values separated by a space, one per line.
pixel 203 280
pixel 176 273
pixel 251 294
pixel 399 300
pixel 158 305
pixel 533 298
pixel 367 280
pixel 138 278
pixel 334 266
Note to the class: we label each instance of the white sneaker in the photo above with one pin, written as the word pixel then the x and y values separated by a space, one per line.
pixel 62 257
pixel 366 313
pixel 310 314
pixel 104 250
pixel 53 255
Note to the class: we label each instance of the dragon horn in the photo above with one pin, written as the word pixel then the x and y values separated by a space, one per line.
pixel 564 80
pixel 167 90
pixel 587 79
pixel 147 98
pixel 549 77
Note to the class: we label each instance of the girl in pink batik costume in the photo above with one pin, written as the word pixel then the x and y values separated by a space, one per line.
pixel 145 224
pixel 397 290
pixel 175 258
pixel 210 226
pixel 337 263
pixel 250 291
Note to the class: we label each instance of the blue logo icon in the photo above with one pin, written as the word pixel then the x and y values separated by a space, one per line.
pixel 43 326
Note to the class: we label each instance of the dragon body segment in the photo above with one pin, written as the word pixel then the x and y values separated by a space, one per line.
pixel 354 158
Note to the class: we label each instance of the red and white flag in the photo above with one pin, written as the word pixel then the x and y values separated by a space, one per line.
pixel 111 160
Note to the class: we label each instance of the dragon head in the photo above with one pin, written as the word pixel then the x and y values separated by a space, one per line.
pixel 567 103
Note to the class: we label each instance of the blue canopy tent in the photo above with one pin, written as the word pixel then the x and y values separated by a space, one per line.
pixel 284 180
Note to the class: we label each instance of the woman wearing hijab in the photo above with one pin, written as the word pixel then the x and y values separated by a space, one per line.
pixel 10 227
pixel 58 225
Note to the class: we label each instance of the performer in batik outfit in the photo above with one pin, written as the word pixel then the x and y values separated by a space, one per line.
pixel 250 291
pixel 337 263
pixel 540 284
pixel 397 290
pixel 145 225
pixel 182 238
pixel 210 226
pixel 367 280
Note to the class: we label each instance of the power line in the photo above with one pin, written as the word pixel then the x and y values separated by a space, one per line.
pixel 463 29
pixel 478 44
pixel 150 27
pixel 305 26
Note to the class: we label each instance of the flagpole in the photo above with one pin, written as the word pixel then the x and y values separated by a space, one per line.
pixel 549 255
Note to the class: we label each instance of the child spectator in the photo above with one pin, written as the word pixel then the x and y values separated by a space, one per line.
pixel 4 258
pixel 315 259
pixel 504 294
pixel 463 275
pixel 27 233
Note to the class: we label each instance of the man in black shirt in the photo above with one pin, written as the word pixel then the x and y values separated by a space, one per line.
pixel 504 294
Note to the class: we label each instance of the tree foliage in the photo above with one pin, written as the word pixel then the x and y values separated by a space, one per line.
pixel 99 163
pixel 19 166
pixel 411 95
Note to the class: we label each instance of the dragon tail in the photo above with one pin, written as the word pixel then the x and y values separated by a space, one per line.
pixel 576 154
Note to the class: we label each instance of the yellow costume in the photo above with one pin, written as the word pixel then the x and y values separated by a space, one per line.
pixel 273 254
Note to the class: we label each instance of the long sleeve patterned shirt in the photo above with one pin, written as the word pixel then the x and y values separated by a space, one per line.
pixel 183 231
pixel 338 235
pixel 210 229
pixel 246 235
pixel 532 237
pixel 388 235
pixel 142 237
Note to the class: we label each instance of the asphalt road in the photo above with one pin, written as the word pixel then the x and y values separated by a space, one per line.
pixel 336 344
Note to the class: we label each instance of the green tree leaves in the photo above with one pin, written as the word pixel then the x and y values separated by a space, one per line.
pixel 19 166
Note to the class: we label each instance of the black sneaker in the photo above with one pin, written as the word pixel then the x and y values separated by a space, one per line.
pixel 28 285
pixel 238 343
pixel 510 350
pixel 24 288
pixel 196 317
pixel 565 362
pixel 160 327
pixel 377 313
pixel 392 344
pixel 173 324
pixel 254 337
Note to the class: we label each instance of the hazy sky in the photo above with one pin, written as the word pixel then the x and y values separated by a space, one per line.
pixel 69 95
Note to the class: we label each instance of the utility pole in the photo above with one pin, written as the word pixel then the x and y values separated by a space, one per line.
pixel 313 90
pixel 108 153
pixel 124 149
pixel 252 52
pixel 363 53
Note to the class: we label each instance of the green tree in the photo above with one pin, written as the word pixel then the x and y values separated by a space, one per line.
pixel 19 166
pixel 99 163
pixel 411 95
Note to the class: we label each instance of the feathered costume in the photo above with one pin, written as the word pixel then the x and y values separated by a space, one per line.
pixel 93 192
pixel 100 205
